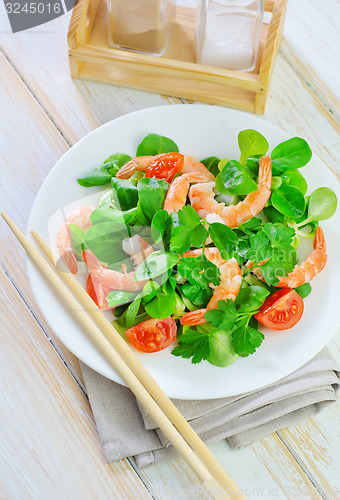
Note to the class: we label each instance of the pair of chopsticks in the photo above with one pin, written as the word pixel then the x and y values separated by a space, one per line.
pixel 121 357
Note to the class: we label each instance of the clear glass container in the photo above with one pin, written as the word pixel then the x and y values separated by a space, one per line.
pixel 228 33
pixel 141 25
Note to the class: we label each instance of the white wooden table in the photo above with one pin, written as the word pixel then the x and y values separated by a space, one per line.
pixel 49 447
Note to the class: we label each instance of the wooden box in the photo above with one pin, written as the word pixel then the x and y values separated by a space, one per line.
pixel 175 73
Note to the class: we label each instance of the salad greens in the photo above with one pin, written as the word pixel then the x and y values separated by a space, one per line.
pixel 156 264
pixel 152 193
pixel 289 201
pixel 291 154
pixel 177 283
pixel 100 176
pixel 102 237
pixel 234 179
pixel 154 144
pixel 251 143
pixel 321 206
pixel 125 192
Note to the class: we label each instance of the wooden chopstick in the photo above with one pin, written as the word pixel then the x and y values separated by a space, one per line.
pixel 132 371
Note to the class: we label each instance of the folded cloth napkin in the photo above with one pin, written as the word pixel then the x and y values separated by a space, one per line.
pixel 125 428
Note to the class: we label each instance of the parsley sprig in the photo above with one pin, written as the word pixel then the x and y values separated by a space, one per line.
pixel 193 344
pixel 237 316
pixel 206 343
pixel 189 231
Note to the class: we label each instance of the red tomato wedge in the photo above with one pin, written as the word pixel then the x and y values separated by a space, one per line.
pixel 165 166
pixel 152 335
pixel 281 310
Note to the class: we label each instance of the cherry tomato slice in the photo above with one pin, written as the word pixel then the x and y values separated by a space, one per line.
pixel 281 310
pixel 153 334
pixel 165 166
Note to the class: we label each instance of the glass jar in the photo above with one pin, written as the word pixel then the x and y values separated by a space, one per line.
pixel 141 25
pixel 228 33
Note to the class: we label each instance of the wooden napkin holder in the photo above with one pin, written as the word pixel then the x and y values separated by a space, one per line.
pixel 175 73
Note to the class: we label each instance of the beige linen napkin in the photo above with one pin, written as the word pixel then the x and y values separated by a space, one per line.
pixel 125 429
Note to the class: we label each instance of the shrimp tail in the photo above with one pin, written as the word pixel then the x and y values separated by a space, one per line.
pixel 94 284
pixel 140 163
pixel 91 260
pixel 265 172
pixel 70 261
pixel 178 191
pixel 194 317
pixel 319 241
pixel 64 243
pixel 96 291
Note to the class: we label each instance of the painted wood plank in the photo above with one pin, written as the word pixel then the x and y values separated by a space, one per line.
pixel 312 30
pixel 313 80
pixel 49 446
pixel 264 470
pixel 293 106
pixel 75 107
pixel 29 148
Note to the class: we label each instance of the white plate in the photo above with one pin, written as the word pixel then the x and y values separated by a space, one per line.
pixel 200 131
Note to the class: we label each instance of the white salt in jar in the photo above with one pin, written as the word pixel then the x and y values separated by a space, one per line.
pixel 228 33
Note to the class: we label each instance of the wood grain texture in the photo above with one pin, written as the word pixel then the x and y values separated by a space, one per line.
pixel 82 20
pixel 264 470
pixel 312 29
pixel 314 81
pixel 57 455
pixel 31 162
pixel 315 443
pixel 76 108
pixel 270 53
pixel 295 107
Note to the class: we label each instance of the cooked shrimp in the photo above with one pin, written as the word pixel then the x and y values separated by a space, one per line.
pixel 307 270
pixel 190 165
pixel 228 288
pixel 138 249
pixel 140 163
pixel 178 191
pixel 80 217
pixel 114 280
pixel 104 280
pixel 202 198
pixel 194 166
